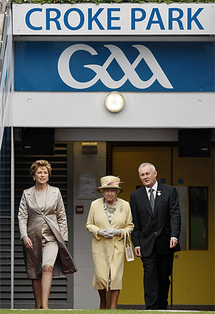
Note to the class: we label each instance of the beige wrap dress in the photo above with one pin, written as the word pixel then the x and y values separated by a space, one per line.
pixel 49 224
pixel 49 244
pixel 108 254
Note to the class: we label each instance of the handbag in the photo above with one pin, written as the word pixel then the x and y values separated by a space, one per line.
pixel 129 253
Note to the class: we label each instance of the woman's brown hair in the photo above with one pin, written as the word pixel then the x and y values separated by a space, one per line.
pixel 40 163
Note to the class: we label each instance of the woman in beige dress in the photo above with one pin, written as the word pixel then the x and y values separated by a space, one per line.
pixel 108 217
pixel 43 230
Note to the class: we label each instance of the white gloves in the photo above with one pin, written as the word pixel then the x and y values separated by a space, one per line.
pixel 109 233
pixel 104 233
pixel 114 231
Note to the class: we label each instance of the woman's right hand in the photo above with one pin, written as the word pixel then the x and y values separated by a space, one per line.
pixel 105 233
pixel 27 243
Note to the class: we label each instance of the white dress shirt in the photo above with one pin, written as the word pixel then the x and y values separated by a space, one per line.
pixel 155 186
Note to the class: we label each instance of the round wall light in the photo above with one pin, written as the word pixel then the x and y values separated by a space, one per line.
pixel 114 102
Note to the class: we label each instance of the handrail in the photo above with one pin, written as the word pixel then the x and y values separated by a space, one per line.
pixel 6 11
pixel 4 32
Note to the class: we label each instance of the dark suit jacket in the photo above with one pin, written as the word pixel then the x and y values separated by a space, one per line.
pixel 157 229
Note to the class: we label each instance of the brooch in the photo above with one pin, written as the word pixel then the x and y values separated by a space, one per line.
pixel 159 193
pixel 121 208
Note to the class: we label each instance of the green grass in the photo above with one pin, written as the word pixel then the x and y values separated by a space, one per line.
pixel 6 311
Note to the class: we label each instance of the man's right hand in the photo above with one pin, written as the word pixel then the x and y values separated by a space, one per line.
pixel 137 251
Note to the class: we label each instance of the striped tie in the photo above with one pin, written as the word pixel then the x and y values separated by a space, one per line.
pixel 152 199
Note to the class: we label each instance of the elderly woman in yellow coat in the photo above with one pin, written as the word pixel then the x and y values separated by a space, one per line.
pixel 108 217
pixel 43 230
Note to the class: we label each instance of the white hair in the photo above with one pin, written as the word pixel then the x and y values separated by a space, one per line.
pixel 146 164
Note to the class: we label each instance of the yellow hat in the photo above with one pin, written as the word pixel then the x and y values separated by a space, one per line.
pixel 110 182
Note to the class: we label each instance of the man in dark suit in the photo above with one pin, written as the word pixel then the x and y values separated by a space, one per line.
pixel 157 222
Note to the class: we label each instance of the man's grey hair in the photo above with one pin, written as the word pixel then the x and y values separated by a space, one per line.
pixel 146 164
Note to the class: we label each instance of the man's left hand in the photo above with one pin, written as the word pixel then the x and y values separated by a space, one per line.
pixel 173 242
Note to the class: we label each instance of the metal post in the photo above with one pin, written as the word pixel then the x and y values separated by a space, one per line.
pixel 12 220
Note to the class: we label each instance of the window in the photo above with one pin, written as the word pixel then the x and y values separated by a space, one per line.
pixel 198 218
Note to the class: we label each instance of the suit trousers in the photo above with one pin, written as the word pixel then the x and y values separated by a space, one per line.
pixel 157 270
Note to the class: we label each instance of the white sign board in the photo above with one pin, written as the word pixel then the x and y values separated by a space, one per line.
pixel 114 19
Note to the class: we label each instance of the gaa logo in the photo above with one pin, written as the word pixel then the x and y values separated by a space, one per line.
pixel 101 71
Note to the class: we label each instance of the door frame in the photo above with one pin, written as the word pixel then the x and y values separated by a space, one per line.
pixel 111 145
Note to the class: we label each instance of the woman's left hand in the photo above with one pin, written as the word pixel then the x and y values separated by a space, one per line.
pixel 114 231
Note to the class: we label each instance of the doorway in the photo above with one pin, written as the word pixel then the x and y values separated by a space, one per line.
pixel 193 272
pixel 62 288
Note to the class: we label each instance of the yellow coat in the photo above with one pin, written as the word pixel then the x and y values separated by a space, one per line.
pixel 108 254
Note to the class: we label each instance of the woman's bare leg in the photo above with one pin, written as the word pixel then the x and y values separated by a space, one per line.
pixel 114 299
pixel 46 283
pixel 103 299
pixel 37 289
